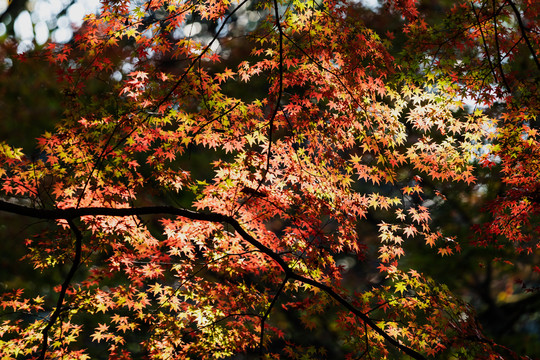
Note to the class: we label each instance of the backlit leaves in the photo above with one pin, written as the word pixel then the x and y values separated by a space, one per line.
pixel 263 170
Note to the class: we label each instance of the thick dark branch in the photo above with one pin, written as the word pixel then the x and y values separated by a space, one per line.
pixel 65 285
pixel 72 213
pixel 524 33
pixel 366 319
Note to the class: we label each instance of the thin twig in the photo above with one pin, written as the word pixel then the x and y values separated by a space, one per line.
pixel 267 313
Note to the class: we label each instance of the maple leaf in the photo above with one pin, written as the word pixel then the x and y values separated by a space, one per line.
pixel 100 333
pixel 445 251
pixel 410 231
pixel 401 287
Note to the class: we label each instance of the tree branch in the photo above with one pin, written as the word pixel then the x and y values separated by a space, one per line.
pixel 498 52
pixel 65 285
pixel 71 213
pixel 280 91
pixel 524 33
pixel 99 160
pixel 267 313
pixel 488 56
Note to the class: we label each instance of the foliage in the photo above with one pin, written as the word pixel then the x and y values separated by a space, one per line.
pixel 338 125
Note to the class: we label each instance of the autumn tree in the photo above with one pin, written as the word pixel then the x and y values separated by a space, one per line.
pixel 216 163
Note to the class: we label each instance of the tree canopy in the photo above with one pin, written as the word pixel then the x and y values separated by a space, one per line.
pixel 273 179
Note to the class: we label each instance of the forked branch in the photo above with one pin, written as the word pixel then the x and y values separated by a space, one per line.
pixel 72 213
pixel 65 286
